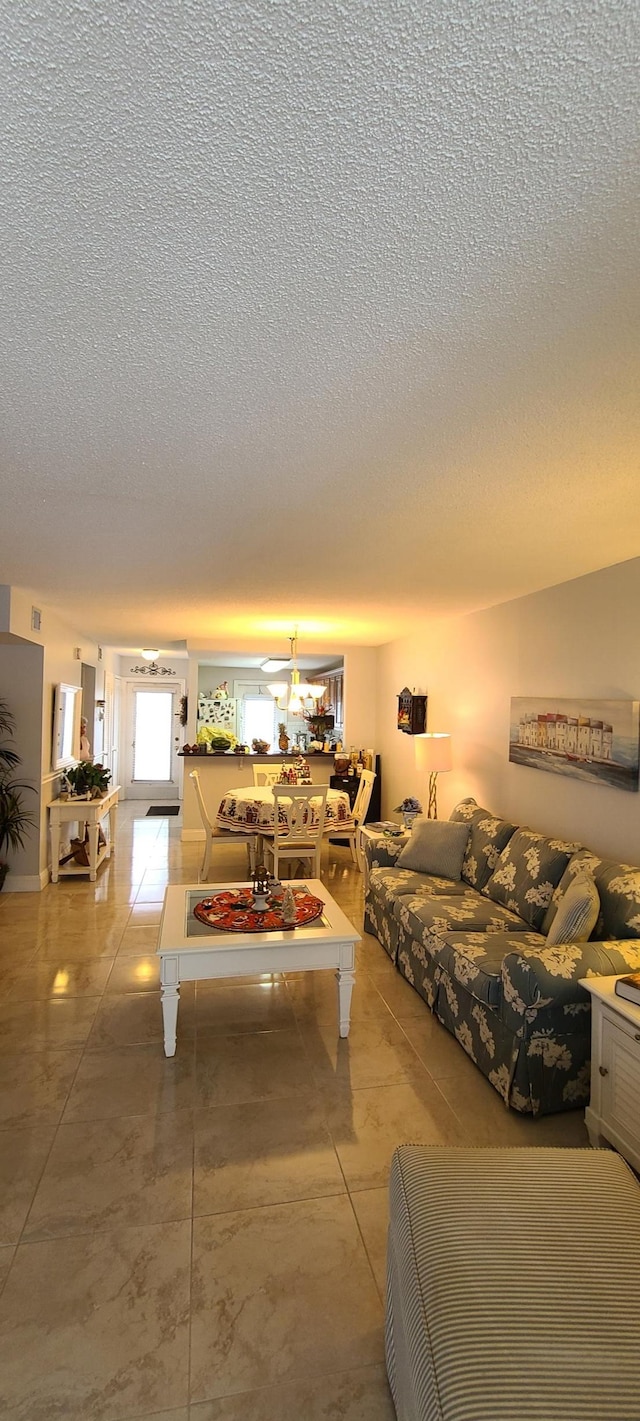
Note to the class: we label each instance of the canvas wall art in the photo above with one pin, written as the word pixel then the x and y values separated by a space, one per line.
pixel 594 741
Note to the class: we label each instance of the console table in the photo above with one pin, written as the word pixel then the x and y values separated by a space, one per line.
pixel 83 811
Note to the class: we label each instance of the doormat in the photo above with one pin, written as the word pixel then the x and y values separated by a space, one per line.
pixel 163 809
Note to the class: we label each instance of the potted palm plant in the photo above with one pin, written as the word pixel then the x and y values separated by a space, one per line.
pixel 15 820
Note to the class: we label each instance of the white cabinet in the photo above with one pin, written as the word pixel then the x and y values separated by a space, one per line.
pixel 613 1113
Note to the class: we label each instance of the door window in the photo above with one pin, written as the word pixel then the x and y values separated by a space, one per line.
pixel 152 733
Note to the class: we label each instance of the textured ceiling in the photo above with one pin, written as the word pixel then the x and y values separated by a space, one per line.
pixel 315 311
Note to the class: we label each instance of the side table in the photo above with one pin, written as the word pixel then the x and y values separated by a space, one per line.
pixel 613 1113
pixel 83 811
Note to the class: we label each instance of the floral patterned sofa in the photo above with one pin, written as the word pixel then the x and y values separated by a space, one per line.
pixel 475 949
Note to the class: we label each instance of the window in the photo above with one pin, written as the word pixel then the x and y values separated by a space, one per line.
pixel 259 719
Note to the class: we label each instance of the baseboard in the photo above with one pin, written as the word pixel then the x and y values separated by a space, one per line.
pixel 193 836
pixel 26 882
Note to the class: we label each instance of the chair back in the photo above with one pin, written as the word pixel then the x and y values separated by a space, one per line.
pixel 361 802
pixel 193 775
pixel 295 819
pixel 266 774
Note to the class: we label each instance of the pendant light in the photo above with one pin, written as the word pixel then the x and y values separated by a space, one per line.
pixel 291 697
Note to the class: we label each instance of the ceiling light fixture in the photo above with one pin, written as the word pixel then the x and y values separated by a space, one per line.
pixel 149 653
pixel 273 664
pixel 292 697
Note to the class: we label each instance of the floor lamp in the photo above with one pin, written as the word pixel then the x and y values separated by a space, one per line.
pixel 433 754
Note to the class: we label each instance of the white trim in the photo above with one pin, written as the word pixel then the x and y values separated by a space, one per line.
pixel 51 776
pixel 192 836
pixel 26 882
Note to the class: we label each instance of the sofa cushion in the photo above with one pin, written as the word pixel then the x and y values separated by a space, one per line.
pixel 488 836
pixel 577 913
pixel 619 887
pixel 528 870
pixel 390 884
pixel 436 846
pixel 429 920
pixel 474 960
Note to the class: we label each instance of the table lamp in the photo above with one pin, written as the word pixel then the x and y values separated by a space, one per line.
pixel 433 754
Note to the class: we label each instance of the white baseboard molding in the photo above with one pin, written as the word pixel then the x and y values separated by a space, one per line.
pixel 193 836
pixel 26 882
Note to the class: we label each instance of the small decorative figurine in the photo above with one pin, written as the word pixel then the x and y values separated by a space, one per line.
pixel 260 883
pixel 288 907
pixel 276 891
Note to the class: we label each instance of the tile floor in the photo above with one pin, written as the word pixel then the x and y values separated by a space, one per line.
pixel 203 1239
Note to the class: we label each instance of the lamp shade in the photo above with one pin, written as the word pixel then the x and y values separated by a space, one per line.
pixel 433 752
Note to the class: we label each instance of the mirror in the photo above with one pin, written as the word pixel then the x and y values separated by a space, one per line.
pixel 66 725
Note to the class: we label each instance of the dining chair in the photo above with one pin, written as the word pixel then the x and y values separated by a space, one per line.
pixel 266 774
pixel 216 836
pixel 358 813
pixel 294 836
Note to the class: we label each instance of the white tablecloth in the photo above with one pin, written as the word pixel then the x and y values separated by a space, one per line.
pixel 251 807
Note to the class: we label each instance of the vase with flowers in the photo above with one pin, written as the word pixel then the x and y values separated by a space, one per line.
pixel 410 808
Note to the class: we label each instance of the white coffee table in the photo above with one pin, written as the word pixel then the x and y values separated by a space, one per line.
pixel 189 951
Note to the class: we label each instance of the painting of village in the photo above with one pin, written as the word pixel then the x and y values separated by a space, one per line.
pixel 595 741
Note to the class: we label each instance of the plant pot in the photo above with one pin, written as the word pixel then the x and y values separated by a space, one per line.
pixel 4 869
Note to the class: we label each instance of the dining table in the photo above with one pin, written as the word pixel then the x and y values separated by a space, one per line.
pixel 251 807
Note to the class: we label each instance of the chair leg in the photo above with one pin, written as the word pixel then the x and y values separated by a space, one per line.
pixel 204 871
pixel 352 846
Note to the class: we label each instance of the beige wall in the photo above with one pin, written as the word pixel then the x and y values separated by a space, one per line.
pixel 360 680
pixel 582 639
pixel 21 686
pixel 56 643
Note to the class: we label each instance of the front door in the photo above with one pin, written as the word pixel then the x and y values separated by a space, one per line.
pixel 153 741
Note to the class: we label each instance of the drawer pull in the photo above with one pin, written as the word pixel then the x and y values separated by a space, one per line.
pixel 603 1070
pixel 636 1036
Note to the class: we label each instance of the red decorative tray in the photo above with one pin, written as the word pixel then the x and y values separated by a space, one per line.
pixel 232 911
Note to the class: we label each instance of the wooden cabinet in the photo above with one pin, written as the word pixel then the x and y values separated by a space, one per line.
pixel 412 712
pixel 613 1113
pixel 351 785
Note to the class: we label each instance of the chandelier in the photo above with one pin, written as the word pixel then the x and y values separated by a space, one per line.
pixel 291 696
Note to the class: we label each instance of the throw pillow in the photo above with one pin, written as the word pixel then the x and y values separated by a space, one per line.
pixel 436 846
pixel 526 874
pixel 577 912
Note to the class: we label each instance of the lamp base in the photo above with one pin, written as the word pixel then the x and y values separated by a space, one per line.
pixel 432 809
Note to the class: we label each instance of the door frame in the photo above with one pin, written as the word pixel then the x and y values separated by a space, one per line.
pixel 151 789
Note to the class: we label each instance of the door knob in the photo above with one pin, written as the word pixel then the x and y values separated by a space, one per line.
pixel 603 1070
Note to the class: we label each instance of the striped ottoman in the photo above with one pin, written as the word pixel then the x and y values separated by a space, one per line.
pixel 513 1285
